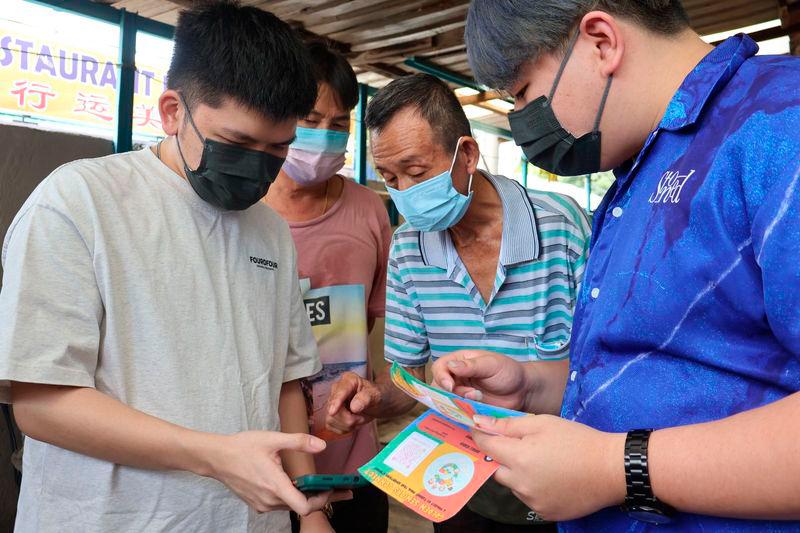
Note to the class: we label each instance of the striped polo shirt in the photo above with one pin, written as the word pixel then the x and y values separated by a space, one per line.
pixel 433 307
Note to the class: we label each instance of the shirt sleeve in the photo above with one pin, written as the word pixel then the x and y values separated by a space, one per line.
pixel 406 340
pixel 302 356
pixel 579 238
pixel 775 228
pixel 377 297
pixel 50 305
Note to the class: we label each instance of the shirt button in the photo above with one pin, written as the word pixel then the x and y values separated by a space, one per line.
pixel 573 375
pixel 617 212
pixel 595 293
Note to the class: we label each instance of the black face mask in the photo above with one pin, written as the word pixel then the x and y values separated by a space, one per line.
pixel 228 176
pixel 544 140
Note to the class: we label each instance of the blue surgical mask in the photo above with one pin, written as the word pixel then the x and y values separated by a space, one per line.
pixel 434 204
pixel 321 141
pixel 315 156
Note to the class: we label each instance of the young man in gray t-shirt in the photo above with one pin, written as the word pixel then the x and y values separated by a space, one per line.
pixel 152 333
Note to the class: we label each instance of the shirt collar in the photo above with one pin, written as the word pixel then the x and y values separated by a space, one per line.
pixel 520 241
pixel 706 80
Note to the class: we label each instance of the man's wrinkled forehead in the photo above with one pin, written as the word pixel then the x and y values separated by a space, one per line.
pixel 408 135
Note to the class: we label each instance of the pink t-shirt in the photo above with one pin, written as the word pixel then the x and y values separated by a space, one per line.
pixel 342 258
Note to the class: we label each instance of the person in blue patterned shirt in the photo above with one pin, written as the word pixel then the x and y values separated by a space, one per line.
pixel 681 406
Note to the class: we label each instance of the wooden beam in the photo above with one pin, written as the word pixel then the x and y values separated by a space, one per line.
pixel 288 8
pixel 433 54
pixel 790 22
pixel 391 54
pixel 492 108
pixel 440 13
pixel 377 11
pixel 762 35
pixel 421 34
pixel 183 3
pixel 450 38
pixel 449 59
pixel 389 71
pixel 473 99
pixel 714 9
pixel 333 8
pixel 159 9
pixel 735 14
pixel 140 7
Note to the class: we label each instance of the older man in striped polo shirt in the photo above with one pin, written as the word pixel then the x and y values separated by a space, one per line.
pixel 481 263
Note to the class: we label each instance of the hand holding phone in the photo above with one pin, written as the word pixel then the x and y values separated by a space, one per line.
pixel 324 482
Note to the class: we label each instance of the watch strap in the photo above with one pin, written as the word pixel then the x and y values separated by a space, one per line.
pixel 637 473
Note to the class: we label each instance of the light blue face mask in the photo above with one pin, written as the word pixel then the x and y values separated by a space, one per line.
pixel 320 141
pixel 434 204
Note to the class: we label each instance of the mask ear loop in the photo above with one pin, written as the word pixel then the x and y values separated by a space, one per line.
pixel 453 163
pixel 602 105
pixel 567 55
pixel 191 121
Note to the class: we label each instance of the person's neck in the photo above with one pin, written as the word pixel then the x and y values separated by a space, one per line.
pixel 484 215
pixel 285 189
pixel 671 60
pixel 167 152
pixel 301 204
pixel 654 71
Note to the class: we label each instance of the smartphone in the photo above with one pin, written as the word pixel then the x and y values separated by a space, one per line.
pixel 324 482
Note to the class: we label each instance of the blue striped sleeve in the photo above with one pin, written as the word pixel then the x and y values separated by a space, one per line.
pixel 406 340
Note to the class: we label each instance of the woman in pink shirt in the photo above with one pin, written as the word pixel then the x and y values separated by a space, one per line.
pixel 342 234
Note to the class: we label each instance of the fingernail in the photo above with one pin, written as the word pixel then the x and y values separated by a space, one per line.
pixel 317 444
pixel 455 364
pixel 481 420
pixel 355 406
pixel 447 384
pixel 474 395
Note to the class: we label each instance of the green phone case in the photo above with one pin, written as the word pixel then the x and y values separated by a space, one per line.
pixel 323 482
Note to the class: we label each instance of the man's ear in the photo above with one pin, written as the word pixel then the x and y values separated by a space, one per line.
pixel 605 36
pixel 170 111
pixel 471 152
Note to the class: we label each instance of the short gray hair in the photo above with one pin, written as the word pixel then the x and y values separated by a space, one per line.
pixel 502 35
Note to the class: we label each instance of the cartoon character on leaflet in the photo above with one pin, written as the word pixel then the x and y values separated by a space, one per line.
pixel 443 480
pixel 449 474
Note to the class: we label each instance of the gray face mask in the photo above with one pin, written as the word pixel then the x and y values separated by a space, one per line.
pixel 230 177
pixel 544 140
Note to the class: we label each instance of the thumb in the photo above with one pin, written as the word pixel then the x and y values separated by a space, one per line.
pixel 474 368
pixel 364 399
pixel 300 442
pixel 341 392
pixel 516 427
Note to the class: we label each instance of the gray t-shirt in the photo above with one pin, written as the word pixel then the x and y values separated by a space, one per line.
pixel 119 277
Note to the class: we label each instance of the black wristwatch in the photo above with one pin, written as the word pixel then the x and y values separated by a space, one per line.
pixel 640 502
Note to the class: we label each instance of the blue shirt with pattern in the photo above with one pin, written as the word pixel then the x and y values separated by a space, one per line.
pixel 690 308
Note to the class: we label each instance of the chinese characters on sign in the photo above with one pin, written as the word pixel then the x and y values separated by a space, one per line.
pixel 49 80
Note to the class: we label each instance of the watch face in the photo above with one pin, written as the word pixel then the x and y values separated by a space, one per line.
pixel 649 515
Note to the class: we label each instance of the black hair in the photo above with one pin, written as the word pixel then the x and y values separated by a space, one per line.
pixel 244 53
pixel 502 35
pixel 660 16
pixel 431 97
pixel 331 67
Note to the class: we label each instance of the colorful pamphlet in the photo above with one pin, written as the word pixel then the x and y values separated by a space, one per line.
pixel 433 466
pixel 451 405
